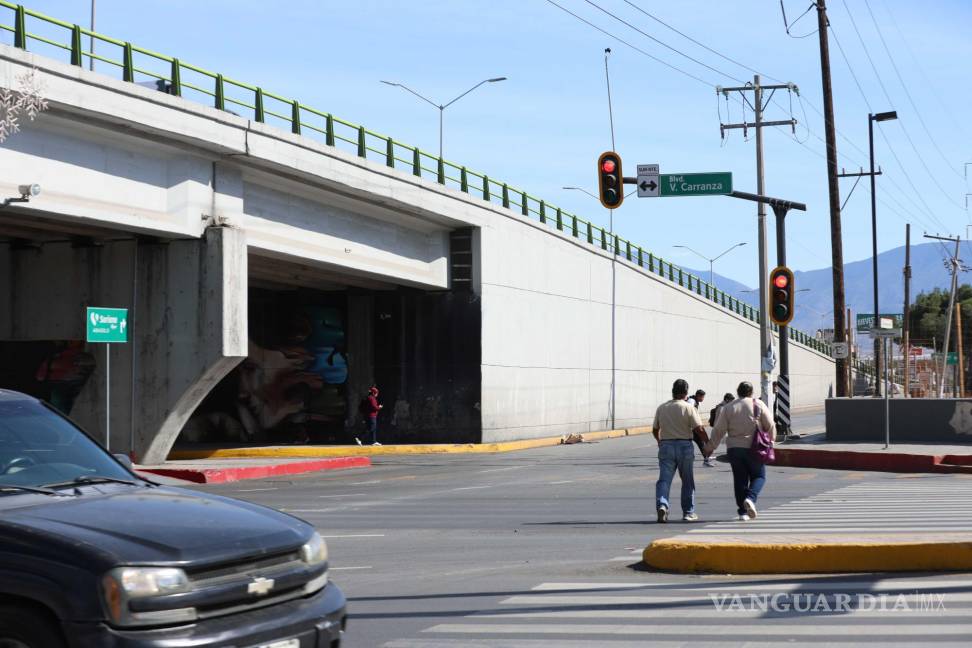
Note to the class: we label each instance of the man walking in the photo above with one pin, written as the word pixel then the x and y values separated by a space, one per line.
pixel 695 401
pixel 675 426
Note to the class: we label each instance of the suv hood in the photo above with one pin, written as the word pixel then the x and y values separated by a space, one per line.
pixel 127 525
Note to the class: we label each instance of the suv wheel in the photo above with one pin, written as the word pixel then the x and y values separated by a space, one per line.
pixel 23 627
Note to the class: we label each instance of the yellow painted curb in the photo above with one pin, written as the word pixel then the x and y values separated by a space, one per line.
pixel 673 554
pixel 357 451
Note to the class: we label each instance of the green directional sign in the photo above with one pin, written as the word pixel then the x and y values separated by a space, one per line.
pixel 107 324
pixel 951 358
pixel 695 184
pixel 865 321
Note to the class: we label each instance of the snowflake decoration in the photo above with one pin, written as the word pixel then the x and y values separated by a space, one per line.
pixel 26 100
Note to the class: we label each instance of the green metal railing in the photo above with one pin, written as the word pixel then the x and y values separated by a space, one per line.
pixel 31 29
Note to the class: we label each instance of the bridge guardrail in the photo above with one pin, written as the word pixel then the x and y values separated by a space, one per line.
pixel 139 65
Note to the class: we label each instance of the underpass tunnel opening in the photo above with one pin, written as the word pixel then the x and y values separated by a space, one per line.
pixel 50 271
pixel 320 338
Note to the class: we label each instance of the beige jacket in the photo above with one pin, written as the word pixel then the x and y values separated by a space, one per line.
pixel 737 423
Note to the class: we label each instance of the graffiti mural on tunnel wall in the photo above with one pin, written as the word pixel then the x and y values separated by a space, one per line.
pixel 53 370
pixel 292 387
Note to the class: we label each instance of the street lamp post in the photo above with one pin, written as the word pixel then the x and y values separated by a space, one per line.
pixel 871 118
pixel 442 107
pixel 711 260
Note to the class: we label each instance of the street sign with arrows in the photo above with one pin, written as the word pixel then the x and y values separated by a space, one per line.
pixel 648 185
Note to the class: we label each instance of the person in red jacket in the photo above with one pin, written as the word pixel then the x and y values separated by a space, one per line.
pixel 369 409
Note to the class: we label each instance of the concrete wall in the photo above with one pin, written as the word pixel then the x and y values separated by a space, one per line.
pixel 547 339
pixel 913 420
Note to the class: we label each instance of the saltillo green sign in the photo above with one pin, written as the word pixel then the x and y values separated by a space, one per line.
pixel 107 324
pixel 865 321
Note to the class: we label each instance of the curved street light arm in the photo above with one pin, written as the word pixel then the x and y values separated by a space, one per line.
pixel 729 250
pixel 407 89
pixel 471 89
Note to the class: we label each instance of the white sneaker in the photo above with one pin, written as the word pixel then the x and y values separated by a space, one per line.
pixel 709 463
pixel 662 513
pixel 750 507
pixel 358 441
pixel 375 443
pixel 742 518
pixel 690 517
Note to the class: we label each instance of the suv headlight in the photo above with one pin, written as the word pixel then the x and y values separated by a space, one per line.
pixel 314 552
pixel 122 585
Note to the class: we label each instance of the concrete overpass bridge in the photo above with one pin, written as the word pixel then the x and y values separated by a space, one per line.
pixel 278 260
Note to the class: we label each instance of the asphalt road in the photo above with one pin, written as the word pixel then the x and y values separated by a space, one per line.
pixel 541 548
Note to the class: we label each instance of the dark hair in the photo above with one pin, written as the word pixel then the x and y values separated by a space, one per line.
pixel 700 392
pixel 679 388
pixel 745 389
pixel 727 397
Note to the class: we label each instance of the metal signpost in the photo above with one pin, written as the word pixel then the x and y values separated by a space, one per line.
pixel 108 326
pixel 886 331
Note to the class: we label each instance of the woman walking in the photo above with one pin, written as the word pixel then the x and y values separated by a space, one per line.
pixel 737 422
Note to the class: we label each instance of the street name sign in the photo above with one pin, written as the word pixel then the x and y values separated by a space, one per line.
pixel 648 183
pixel 951 358
pixel 695 184
pixel 107 324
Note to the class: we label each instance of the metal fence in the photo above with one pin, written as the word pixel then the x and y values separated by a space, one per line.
pixel 44 34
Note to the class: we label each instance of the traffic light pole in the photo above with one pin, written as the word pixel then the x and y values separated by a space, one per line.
pixel 780 209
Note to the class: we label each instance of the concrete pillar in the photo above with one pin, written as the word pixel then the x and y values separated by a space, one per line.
pixel 189 326
pixel 361 355
pixel 192 309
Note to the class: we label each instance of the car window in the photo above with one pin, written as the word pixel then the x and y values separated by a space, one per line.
pixel 38 446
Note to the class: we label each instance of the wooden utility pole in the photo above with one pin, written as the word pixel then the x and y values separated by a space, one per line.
pixel 905 339
pixel 958 347
pixel 836 244
pixel 951 307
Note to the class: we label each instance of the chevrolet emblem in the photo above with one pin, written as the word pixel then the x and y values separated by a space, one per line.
pixel 260 586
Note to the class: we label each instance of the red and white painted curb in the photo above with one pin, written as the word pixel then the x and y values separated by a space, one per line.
pixel 216 475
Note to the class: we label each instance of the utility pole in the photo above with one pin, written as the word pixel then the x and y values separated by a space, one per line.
pixel 765 344
pixel 958 346
pixel 905 337
pixel 836 243
pixel 951 307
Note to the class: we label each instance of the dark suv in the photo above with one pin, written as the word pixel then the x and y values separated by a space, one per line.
pixel 91 554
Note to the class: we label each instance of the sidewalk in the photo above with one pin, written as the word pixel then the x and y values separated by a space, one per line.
pixel 894 525
pixel 292 451
pixel 813 451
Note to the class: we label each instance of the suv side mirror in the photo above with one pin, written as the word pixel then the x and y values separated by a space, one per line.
pixel 124 459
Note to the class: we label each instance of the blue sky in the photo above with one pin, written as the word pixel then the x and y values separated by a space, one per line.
pixel 544 127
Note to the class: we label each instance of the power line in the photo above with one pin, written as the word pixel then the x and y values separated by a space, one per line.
pixel 904 129
pixel 634 47
pixel 701 44
pixel 904 87
pixel 662 43
pixel 921 70
pixel 787 27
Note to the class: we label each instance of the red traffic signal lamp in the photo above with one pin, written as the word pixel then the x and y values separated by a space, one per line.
pixel 610 181
pixel 781 295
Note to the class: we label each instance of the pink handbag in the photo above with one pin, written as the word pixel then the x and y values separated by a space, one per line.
pixel 762 447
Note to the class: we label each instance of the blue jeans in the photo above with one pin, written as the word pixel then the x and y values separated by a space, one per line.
pixel 676 454
pixel 748 476
pixel 371 424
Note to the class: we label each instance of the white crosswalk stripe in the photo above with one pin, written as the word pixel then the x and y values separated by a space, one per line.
pixel 890 508
pixel 724 611
pixel 729 611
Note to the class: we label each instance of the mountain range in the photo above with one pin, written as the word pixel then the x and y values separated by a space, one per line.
pixel 814 307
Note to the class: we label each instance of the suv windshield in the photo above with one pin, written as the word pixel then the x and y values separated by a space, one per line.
pixel 40 447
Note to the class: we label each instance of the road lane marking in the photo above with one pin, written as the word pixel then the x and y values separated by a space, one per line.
pixel 344 495
pixel 767 626
pixel 472 487
pixel 254 490
pixel 356 535
pixel 349 568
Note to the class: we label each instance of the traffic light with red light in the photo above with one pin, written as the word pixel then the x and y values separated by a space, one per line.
pixel 781 295
pixel 610 182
